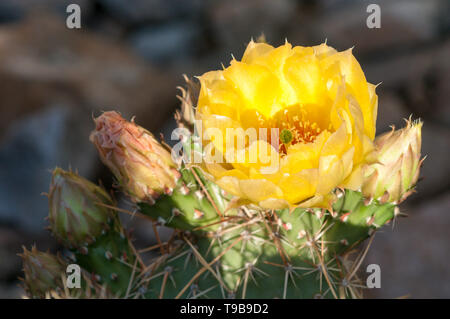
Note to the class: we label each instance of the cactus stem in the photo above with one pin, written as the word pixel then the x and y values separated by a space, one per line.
pixel 108 255
pixel 199 194
pixel 203 269
pixel 213 203
pixel 360 259
pixel 203 261
pixel 198 214
pixel 324 271
pixel 301 234
pixel 370 220
pixel 184 189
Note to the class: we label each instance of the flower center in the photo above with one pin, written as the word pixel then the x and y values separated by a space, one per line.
pixel 296 127
pixel 294 124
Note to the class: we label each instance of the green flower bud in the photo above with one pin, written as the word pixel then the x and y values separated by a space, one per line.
pixel 142 166
pixel 43 272
pixel 396 170
pixel 75 212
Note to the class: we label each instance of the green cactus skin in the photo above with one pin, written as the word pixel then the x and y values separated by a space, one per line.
pixel 188 206
pixel 254 254
pixel 277 256
pixel 110 260
pixel 239 253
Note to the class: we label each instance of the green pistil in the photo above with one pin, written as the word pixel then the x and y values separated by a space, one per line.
pixel 286 136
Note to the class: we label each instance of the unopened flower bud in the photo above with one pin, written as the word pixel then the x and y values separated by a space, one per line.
pixel 396 170
pixel 142 166
pixel 76 213
pixel 43 272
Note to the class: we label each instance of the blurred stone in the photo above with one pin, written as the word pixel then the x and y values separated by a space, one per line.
pixel 427 96
pixel 403 23
pixel 31 148
pixel 10 246
pixel 9 12
pixel 421 78
pixel 15 9
pixel 47 63
pixel 414 256
pixel 167 43
pixel 53 81
pixel 140 11
pixel 391 110
pixel 12 291
pixel 439 93
pixel 435 170
pixel 235 22
pixel 409 67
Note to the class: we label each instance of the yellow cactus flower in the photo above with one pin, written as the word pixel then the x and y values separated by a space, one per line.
pixel 319 113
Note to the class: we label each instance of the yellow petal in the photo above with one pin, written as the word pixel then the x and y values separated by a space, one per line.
pixel 230 184
pixel 347 161
pixel 300 186
pixel 323 50
pixel 304 75
pixel 258 190
pixel 337 143
pixel 331 173
pixel 355 180
pixel 257 85
pixel 255 50
pixel 274 203
pixel 356 80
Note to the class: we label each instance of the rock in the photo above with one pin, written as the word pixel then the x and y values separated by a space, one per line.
pixel 53 81
pixel 33 146
pixel 9 12
pixel 140 11
pixel 414 255
pixel 409 67
pixel 12 291
pixel 10 246
pixel 421 78
pixel 435 170
pixel 404 23
pixel 48 63
pixel 13 10
pixel 235 22
pixel 391 110
pixel 167 43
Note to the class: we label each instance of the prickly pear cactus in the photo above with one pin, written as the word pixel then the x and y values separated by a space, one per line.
pixel 224 245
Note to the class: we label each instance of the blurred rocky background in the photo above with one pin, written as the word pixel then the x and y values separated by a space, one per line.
pixel 130 55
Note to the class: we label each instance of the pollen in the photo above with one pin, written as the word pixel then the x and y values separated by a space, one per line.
pixel 296 127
